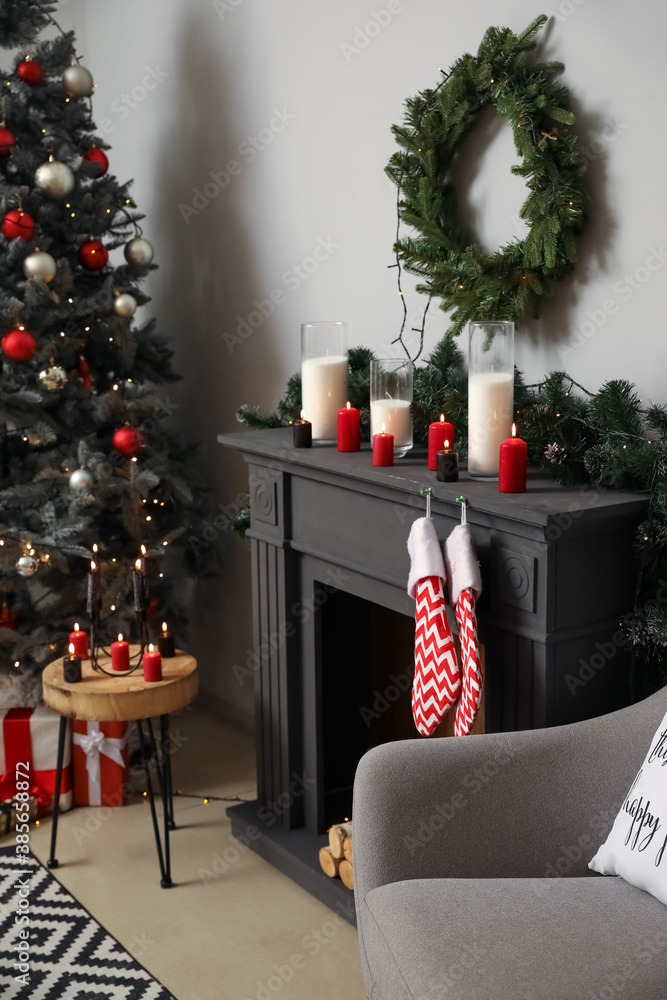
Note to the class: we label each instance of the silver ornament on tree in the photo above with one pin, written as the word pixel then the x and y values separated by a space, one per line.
pixel 125 304
pixel 139 252
pixel 81 479
pixel 26 566
pixel 78 81
pixel 54 178
pixel 39 265
pixel 52 378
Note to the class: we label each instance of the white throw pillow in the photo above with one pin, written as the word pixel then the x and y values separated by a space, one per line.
pixel 636 848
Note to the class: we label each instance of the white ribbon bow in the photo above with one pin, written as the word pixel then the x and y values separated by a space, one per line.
pixel 95 743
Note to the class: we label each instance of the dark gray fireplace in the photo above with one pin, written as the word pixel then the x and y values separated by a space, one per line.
pixel 333 625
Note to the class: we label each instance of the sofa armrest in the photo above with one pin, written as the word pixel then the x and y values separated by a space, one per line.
pixel 507 805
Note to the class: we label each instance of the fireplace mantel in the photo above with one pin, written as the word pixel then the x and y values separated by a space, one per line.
pixel 557 568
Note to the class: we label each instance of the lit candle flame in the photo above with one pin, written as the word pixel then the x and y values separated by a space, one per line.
pixel 71 649
pixel 303 414
pixel 95 549
pixel 164 626
pixel 348 406
pixel 442 418
pixel 143 550
pixel 446 445
pixel 137 564
pixel 120 636
pixel 151 647
pixel 513 430
pixel 93 565
pixel 76 626
pixel 383 429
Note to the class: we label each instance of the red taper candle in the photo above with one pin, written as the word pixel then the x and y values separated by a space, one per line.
pixel 120 654
pixel 513 467
pixel 348 429
pixel 383 448
pixel 438 433
pixel 152 664
pixel 79 640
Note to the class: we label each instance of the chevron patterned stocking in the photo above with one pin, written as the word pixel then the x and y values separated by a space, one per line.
pixel 471 695
pixel 437 678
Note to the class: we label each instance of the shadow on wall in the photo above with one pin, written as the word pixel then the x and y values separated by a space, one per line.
pixel 211 281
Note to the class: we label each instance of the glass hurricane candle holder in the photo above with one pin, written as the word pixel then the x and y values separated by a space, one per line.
pixel 323 376
pixel 391 401
pixel 490 395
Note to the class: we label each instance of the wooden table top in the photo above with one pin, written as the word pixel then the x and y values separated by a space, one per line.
pixel 122 698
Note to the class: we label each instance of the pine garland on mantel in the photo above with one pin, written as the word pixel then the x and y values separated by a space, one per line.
pixel 604 439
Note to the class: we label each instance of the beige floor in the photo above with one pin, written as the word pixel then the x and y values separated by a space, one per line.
pixel 220 938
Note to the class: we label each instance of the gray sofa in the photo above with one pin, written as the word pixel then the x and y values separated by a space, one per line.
pixel 460 848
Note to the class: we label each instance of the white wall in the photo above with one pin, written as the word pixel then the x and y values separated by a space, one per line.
pixel 227 67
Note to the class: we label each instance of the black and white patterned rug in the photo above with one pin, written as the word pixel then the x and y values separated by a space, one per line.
pixel 70 957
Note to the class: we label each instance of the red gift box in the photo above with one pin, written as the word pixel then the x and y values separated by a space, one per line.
pixel 101 757
pixel 31 735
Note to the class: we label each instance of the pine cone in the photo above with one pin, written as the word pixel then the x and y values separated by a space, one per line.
pixel 555 453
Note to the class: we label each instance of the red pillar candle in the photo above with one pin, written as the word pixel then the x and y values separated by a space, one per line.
pixel 513 465
pixel 383 448
pixel 349 429
pixel 152 664
pixel 79 640
pixel 120 654
pixel 438 433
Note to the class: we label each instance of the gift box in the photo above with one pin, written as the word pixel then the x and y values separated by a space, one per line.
pixel 30 737
pixel 101 755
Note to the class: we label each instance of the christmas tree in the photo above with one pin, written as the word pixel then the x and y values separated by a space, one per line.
pixel 88 465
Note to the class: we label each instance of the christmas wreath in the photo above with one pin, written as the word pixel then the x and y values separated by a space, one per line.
pixel 475 284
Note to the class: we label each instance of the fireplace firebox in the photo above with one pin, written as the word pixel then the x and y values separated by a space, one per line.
pixel 334 627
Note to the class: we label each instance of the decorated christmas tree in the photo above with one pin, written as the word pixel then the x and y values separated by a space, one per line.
pixel 89 468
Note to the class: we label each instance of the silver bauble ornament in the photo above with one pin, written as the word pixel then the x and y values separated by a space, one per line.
pixel 139 251
pixel 26 566
pixel 81 479
pixel 125 304
pixel 55 179
pixel 52 378
pixel 78 81
pixel 39 265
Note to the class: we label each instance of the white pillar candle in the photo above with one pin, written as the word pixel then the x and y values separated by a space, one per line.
pixel 490 406
pixel 323 393
pixel 396 416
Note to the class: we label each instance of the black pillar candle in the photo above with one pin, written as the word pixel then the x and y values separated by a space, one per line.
pixel 94 596
pixel 303 433
pixel 72 667
pixel 447 469
pixel 166 642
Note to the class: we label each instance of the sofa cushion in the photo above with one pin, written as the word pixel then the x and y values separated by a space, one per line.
pixel 519 939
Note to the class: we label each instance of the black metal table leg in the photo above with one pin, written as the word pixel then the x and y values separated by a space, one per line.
pixel 166 757
pixel 62 732
pixel 165 880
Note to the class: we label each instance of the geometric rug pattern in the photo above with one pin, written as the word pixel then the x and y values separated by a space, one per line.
pixel 71 957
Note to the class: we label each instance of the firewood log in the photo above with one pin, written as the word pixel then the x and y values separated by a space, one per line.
pixel 345 872
pixel 330 865
pixel 337 835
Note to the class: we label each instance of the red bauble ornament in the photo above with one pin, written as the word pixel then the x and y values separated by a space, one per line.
pixel 84 372
pixel 8 619
pixel 7 141
pixel 99 157
pixel 30 72
pixel 19 345
pixel 128 441
pixel 18 224
pixel 93 255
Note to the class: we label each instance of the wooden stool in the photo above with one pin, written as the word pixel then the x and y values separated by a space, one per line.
pixel 125 698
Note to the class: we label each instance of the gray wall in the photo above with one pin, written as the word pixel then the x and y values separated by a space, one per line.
pixel 225 68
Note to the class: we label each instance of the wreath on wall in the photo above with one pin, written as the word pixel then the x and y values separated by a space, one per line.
pixel 606 439
pixel 505 284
